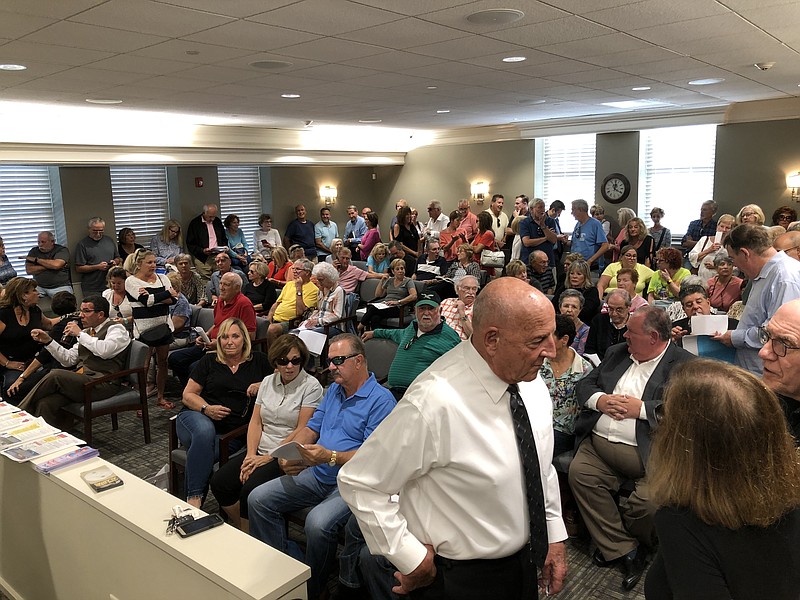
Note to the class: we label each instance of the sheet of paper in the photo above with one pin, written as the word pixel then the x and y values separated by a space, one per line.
pixel 380 305
pixel 709 324
pixel 287 451
pixel 705 347
pixel 314 340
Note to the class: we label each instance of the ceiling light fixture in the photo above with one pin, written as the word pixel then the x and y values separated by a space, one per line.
pixel 497 16
pixel 436 87
pixel 103 101
pixel 708 81
pixel 370 121
pixel 641 88
pixel 514 59
pixel 442 112
pixel 11 67
pixel 290 95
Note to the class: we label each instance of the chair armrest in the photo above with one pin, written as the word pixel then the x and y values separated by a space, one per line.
pixel 112 377
pixel 224 440
pixel 173 434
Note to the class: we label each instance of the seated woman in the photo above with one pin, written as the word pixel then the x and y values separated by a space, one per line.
pixel 279 267
pixel 181 314
pixel 259 290
pixel 702 256
pixel 561 375
pixel 237 243
pixel 167 244
pixel 378 261
pixel 641 241
pixel 627 280
pixel 118 300
pixel 784 216
pixel 750 213
pixel 286 400
pixel 127 245
pixel 19 315
pixel 336 245
pixel 570 304
pixel 191 284
pixel 516 268
pixel 724 475
pixel 399 292
pixel 724 288
pixel 665 284
pixel 217 400
pixel 265 238
pixel 579 278
pixel 628 259
pixel 7 271
pixel 330 302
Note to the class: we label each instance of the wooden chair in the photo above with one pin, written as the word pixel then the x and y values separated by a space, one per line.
pixel 131 396
pixel 177 453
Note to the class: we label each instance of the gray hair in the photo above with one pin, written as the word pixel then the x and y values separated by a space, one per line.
pixel 435 204
pixel 95 221
pixel 571 293
pixel 304 263
pixel 626 297
pixel 206 207
pixel 692 280
pixel 580 205
pixel 460 280
pixel 711 203
pixel 50 235
pixel 655 319
pixel 722 258
pixel 327 270
pixel 353 207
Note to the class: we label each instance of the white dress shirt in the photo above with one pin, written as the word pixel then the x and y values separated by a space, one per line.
pixel 449 450
pixel 632 383
pixel 116 340
pixel 435 226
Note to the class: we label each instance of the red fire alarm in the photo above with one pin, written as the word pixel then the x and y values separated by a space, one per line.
pixel 198 182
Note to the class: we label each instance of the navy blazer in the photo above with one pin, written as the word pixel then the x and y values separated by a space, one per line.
pixel 605 377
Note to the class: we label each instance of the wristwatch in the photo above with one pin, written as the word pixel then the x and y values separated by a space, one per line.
pixel 203 408
pixel 332 461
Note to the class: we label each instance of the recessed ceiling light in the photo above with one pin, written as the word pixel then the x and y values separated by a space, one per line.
pixel 641 88
pixel 513 59
pixel 633 104
pixel 442 112
pixel 192 52
pixel 103 101
pixel 290 95
pixel 432 87
pixel 271 65
pixel 11 67
pixel 370 121
pixel 529 102
pixel 708 81
pixel 498 16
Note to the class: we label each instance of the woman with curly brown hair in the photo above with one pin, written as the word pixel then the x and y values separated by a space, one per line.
pixel 726 478
pixel 666 280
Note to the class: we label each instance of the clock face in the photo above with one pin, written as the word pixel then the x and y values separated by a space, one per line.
pixel 615 188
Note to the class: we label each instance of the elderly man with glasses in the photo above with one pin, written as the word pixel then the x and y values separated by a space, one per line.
pixel 224 265
pixel 296 298
pixel 351 409
pixel 609 328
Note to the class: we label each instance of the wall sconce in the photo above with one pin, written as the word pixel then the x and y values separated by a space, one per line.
pixel 479 190
pixel 328 194
pixel 793 182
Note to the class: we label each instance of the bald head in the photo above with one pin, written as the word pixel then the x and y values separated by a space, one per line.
pixel 230 284
pixel 513 325
pixel 788 242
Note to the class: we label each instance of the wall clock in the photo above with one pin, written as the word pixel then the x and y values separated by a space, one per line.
pixel 615 188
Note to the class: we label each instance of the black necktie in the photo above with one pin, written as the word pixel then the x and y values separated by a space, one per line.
pixel 533 479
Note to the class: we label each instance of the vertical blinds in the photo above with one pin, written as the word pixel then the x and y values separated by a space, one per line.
pixel 678 173
pixel 27 208
pixel 240 194
pixel 141 200
pixel 569 172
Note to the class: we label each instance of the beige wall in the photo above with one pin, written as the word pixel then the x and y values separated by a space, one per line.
pixel 617 153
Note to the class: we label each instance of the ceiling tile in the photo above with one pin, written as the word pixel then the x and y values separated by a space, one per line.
pixel 14 25
pixel 25 51
pixel 675 34
pixel 331 50
pixel 414 7
pixel 334 72
pixel 214 73
pixel 230 8
pixel 35 70
pixel 404 34
pixel 651 13
pixel 552 32
pixel 251 36
pixel 580 7
pixel 587 77
pixel 53 9
pixel 78 35
pixel 393 61
pixel 141 64
pixel 466 48
pixel 339 16
pixel 244 62
pixel 178 49
pixel 640 55
pixel 456 17
pixel 391 80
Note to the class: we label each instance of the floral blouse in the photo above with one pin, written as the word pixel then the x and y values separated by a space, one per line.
pixel 562 392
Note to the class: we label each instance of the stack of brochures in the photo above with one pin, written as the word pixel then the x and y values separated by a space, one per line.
pixel 24 437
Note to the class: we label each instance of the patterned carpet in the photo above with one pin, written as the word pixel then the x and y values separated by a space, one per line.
pixel 126 448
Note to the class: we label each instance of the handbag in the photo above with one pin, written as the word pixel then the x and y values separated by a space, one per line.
pixel 156 336
pixel 492 258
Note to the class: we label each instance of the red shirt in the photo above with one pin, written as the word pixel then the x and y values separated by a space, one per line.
pixel 240 307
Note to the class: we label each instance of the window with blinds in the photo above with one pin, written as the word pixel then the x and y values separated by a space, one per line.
pixel 568 172
pixel 677 173
pixel 141 200
pixel 240 194
pixel 27 201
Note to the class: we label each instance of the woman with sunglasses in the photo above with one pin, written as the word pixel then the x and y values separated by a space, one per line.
pixel 784 216
pixel 217 399
pixel 285 402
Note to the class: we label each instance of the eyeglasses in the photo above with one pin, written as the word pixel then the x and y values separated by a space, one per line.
pixel 86 311
pixel 430 208
pixel 748 214
pixel 175 229
pixel 784 217
pixel 619 309
pixel 339 360
pixel 282 362
pixel 779 347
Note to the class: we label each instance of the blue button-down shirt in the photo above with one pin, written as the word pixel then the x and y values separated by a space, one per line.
pixel 353 232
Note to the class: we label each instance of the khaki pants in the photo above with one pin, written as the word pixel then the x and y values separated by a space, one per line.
pixel 205 268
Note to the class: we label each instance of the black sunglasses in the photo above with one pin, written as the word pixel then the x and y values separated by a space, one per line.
pixel 285 361
pixel 339 360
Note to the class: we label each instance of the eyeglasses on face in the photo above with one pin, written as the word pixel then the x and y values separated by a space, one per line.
pixel 784 217
pixel 779 347
pixel 175 229
pixel 339 360
pixel 282 362
pixel 748 214
pixel 618 309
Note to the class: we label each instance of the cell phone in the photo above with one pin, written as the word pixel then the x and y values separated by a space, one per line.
pixel 199 525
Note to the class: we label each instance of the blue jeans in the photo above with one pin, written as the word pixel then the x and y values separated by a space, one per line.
pixel 267 505
pixel 358 568
pixel 198 434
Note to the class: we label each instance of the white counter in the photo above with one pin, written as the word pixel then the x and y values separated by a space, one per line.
pixel 60 540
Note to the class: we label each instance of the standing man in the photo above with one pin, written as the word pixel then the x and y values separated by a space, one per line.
pixel 776 281
pixel 48 262
pixel 437 221
pixel 538 232
pixel 101 350
pixel 324 233
pixel 588 237
pixel 301 231
pixel 355 229
pixel 556 208
pixel 350 411
pixel 500 226
pixel 705 225
pixel 469 222
pixel 618 401
pixel 781 356
pixel 467 528
pixel 94 256
pixel 204 234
